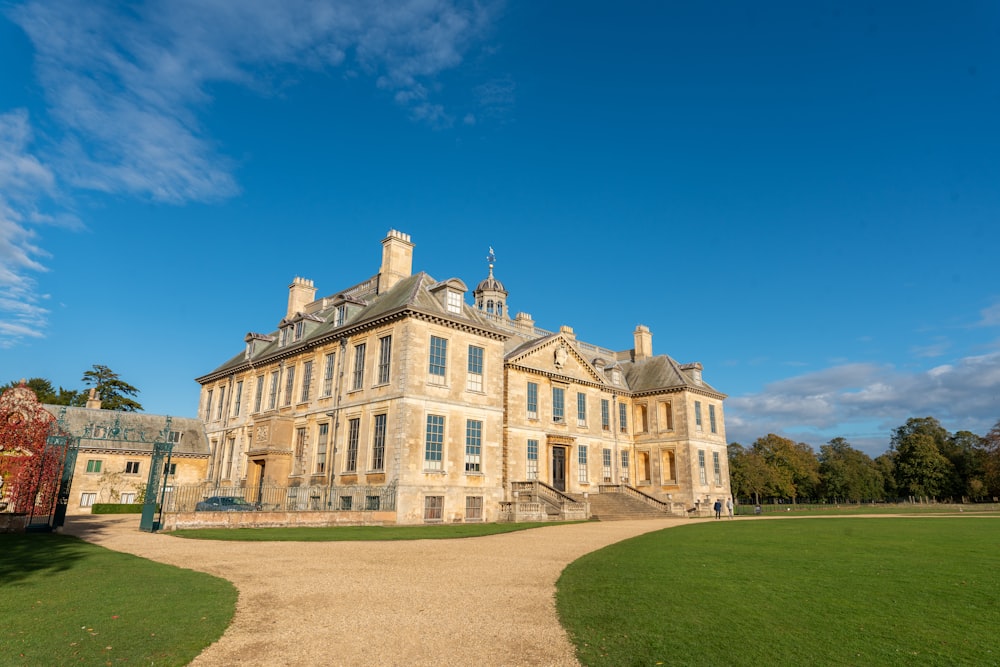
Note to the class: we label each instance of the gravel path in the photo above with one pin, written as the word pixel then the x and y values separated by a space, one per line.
pixel 482 601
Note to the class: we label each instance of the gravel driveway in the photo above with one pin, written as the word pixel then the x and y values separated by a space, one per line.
pixel 474 601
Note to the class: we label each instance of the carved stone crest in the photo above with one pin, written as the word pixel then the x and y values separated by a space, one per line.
pixel 561 354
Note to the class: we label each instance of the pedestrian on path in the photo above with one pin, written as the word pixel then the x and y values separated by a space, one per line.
pixel 718 508
pixel 729 507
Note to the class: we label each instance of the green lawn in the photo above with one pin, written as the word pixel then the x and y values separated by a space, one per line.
pixel 64 601
pixel 838 591
pixel 357 533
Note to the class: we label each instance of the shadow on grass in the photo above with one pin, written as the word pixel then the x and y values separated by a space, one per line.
pixel 24 555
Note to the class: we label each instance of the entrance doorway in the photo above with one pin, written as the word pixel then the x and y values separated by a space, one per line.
pixel 559 468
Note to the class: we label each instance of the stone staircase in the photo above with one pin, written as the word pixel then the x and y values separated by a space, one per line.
pixel 620 507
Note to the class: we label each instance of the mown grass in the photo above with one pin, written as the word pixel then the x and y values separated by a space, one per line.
pixel 870 509
pixel 839 591
pixel 67 602
pixel 357 533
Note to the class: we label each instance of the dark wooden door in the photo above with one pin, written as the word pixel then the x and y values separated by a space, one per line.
pixel 559 468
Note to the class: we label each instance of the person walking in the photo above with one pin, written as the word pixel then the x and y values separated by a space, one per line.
pixel 729 507
pixel 718 508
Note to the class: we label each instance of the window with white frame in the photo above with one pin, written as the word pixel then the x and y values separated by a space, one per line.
pixel 625 467
pixel 454 302
pixel 474 381
pixel 87 499
pixel 701 467
pixel 532 403
pixel 322 438
pixel 272 397
pixel 341 317
pixel 300 328
pixel 384 358
pixel 127 498
pixel 222 403
pixel 307 374
pixel 581 460
pixel 434 442
pixel 532 471
pixel 208 405
pixel 328 374
pixel 238 399
pixel 605 415
pixel 438 361
pixel 606 466
pixel 359 366
pixel 711 418
pixel 581 409
pixel 259 394
pixel 697 415
pixel 378 443
pixel 351 459
pixel 717 468
pixel 623 418
pixel 289 384
pixel 473 508
pixel 558 404
pixel 433 508
pixel 473 445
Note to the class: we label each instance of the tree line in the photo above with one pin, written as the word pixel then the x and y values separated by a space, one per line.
pixel 924 461
pixel 115 393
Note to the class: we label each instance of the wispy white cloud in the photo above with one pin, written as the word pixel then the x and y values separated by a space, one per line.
pixel 129 86
pixel 24 181
pixel 126 88
pixel 990 316
pixel 855 400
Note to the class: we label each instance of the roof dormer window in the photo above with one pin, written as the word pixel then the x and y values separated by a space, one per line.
pixel 300 327
pixel 454 302
pixel 341 315
pixel 286 334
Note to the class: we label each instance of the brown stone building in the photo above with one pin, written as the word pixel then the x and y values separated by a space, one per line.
pixel 456 411
pixel 115 449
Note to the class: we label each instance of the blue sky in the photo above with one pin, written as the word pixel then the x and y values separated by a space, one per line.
pixel 802 196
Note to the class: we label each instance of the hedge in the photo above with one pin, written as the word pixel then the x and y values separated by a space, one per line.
pixel 118 508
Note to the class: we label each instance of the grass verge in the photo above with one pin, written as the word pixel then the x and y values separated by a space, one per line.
pixel 839 591
pixel 358 533
pixel 68 602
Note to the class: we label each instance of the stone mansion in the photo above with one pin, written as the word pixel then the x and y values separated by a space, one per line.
pixel 399 384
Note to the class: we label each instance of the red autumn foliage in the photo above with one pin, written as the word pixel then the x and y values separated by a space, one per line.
pixel 30 475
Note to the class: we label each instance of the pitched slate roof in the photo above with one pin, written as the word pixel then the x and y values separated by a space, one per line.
pixel 660 372
pixel 129 431
pixel 410 294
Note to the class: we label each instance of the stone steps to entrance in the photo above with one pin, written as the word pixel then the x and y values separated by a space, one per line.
pixel 619 507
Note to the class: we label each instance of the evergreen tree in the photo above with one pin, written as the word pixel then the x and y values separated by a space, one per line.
pixel 113 391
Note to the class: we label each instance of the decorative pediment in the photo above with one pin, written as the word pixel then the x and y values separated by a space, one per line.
pixel 558 355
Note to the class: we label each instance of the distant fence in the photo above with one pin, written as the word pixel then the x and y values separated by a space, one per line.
pixel 287 498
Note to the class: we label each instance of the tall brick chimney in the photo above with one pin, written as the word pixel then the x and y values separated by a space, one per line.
pixel 397 260
pixel 300 293
pixel 643 342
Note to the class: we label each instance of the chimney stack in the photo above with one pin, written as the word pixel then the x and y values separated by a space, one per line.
pixel 300 293
pixel 643 342
pixel 397 260
pixel 93 399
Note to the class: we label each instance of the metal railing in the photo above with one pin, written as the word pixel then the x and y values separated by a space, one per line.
pixel 287 498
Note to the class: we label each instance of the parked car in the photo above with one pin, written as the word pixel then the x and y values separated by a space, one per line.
pixel 224 504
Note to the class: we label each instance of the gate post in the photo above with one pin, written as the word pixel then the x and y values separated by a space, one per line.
pixel 62 501
pixel 160 450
